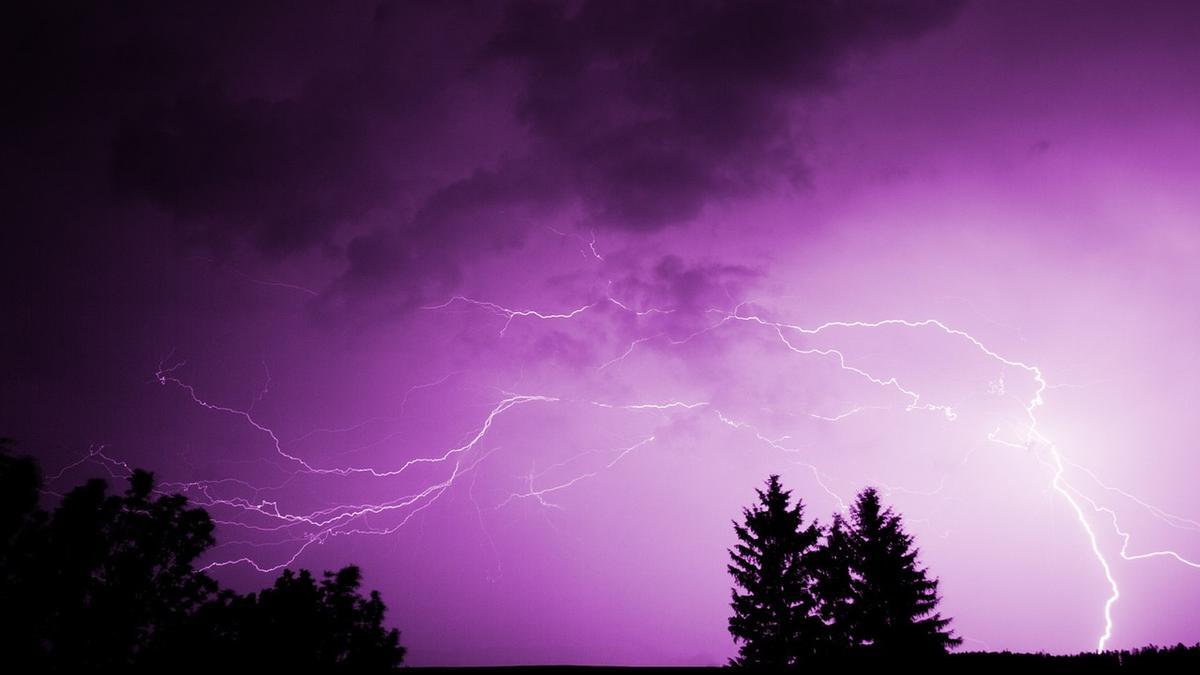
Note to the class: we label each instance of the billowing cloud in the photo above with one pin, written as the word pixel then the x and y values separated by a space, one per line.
pixel 657 108
pixel 400 137
pixel 644 254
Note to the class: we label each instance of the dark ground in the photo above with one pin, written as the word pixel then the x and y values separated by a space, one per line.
pixel 1178 659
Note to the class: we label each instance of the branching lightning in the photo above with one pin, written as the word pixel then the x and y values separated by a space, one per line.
pixel 298 531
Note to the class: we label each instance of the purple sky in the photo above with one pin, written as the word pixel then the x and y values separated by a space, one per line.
pixel 515 304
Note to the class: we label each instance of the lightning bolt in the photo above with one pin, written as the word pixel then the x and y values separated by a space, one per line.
pixel 302 530
pixel 1032 436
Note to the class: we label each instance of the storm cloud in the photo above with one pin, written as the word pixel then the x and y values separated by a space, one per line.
pixel 535 293
pixel 402 137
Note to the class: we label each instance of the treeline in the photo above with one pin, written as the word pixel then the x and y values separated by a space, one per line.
pixel 1150 659
pixel 108 583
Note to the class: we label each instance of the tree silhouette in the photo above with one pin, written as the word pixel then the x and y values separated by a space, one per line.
pixel 834 586
pixel 894 602
pixel 341 629
pixel 89 586
pixel 775 617
pixel 298 624
pixel 120 571
pixel 22 539
pixel 109 583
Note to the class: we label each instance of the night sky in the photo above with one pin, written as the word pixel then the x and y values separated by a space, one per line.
pixel 515 304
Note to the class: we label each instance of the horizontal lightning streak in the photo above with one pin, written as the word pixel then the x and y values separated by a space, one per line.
pixel 321 525
pixel 1032 435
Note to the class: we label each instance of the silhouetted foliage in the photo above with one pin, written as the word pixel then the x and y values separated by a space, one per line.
pixel 119 571
pixel 22 540
pixel 1149 659
pixel 108 582
pixel 298 625
pixel 852 591
pixel 775 618
pixel 834 586
pixel 894 601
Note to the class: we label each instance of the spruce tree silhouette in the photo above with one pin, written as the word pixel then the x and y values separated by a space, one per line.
pixel 894 605
pixel 834 586
pixel 775 618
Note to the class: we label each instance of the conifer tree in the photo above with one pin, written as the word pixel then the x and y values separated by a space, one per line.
pixel 775 617
pixel 894 601
pixel 834 586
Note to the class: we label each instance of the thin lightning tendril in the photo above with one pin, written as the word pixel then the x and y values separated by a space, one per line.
pixel 303 530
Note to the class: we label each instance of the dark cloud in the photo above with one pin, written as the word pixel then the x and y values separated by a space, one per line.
pixel 288 170
pixel 643 112
pixel 226 170
pixel 487 212
pixel 409 136
pixel 656 108
pixel 272 124
pixel 678 285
